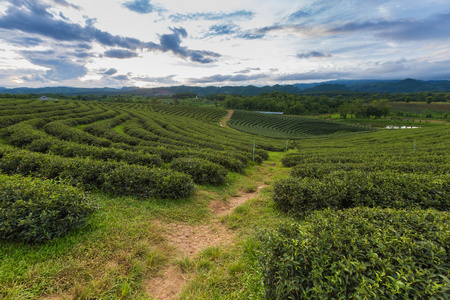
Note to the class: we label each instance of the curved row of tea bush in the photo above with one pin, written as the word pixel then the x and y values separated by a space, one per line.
pixel 280 126
pixel 34 210
pixel 115 177
pixel 200 113
pixel 359 253
pixel 202 171
pixel 342 189
pixel 319 170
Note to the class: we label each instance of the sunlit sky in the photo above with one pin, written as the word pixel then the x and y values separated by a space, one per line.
pixel 150 43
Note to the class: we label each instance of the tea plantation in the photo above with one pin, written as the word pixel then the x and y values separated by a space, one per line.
pixel 288 127
pixel 364 214
pixel 373 219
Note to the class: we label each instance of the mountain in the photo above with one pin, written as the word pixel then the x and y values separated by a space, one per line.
pixel 368 86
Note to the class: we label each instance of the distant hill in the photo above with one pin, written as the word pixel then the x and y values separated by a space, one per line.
pixel 403 86
pixel 327 88
pixel 369 86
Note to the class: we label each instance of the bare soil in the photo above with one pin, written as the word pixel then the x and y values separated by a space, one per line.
pixel 223 122
pixel 189 241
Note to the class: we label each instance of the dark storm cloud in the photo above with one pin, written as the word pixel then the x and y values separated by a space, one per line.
pixel 141 6
pixel 236 15
pixel 313 54
pixel 120 53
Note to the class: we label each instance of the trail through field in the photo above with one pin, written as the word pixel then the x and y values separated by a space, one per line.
pixel 223 122
pixel 189 241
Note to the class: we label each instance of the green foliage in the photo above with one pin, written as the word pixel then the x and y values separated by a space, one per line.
pixel 355 188
pixel 288 127
pixel 202 171
pixel 34 210
pixel 118 178
pixel 360 253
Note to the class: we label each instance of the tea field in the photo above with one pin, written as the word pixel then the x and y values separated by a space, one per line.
pixel 288 127
pixel 90 193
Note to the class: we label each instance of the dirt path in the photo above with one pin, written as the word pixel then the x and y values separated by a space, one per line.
pixel 223 122
pixel 189 241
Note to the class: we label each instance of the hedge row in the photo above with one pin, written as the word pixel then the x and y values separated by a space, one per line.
pixel 115 177
pixel 319 170
pixel 355 188
pixel 202 171
pixel 34 210
pixel 70 149
pixel 359 253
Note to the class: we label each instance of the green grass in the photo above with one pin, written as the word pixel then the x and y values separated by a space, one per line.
pixel 121 246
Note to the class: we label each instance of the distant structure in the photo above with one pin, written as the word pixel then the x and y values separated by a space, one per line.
pixel 46 98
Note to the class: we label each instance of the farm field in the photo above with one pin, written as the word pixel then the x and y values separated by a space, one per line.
pixel 155 227
pixel 288 127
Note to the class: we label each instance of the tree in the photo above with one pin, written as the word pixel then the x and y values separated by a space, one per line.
pixel 429 99
pixel 407 99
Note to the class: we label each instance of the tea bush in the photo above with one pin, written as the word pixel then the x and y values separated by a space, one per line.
pixel 202 171
pixel 359 253
pixel 355 188
pixel 116 177
pixel 34 210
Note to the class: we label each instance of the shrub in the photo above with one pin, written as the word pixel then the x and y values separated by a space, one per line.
pixel 202 171
pixel 359 253
pixel 356 188
pixel 34 210
pixel 116 177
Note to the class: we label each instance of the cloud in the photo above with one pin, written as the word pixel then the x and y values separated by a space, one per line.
pixel 82 54
pixel 120 53
pixel 35 19
pixel 61 67
pixel 433 27
pixel 25 41
pixel 172 42
pixel 248 70
pixel 236 15
pixel 161 80
pixel 110 71
pixel 120 77
pixel 67 4
pixel 141 6
pixel 313 54
pixel 44 24
pixel 227 78
pixel 313 75
pixel 223 29
pixel 251 35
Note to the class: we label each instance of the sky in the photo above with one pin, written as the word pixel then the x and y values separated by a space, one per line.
pixel 155 43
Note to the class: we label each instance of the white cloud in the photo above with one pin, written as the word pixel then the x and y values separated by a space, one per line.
pixel 150 42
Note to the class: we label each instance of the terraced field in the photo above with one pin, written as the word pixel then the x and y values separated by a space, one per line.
pixel 116 135
pixel 288 127
pixel 134 201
